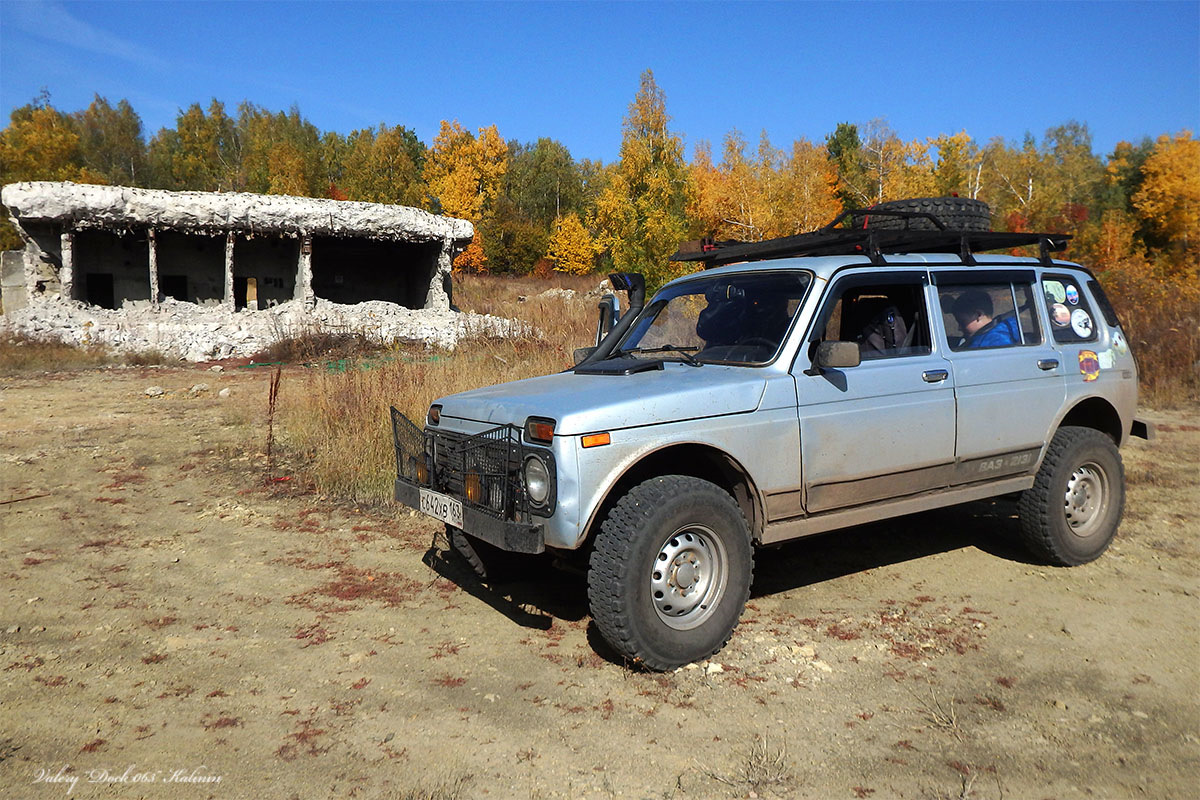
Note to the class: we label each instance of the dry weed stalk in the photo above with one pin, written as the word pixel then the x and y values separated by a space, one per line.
pixel 763 768
pixel 940 715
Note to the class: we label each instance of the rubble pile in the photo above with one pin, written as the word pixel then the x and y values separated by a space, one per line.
pixel 202 333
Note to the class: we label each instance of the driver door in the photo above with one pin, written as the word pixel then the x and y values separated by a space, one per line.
pixel 885 428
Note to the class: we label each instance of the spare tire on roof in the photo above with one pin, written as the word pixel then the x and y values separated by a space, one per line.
pixel 956 213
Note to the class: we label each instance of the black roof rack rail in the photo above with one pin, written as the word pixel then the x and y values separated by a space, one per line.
pixel 874 243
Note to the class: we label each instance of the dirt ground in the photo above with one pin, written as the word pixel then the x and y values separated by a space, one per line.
pixel 175 626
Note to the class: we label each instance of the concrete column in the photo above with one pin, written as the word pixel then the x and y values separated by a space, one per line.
pixel 436 297
pixel 152 261
pixel 229 237
pixel 31 255
pixel 66 274
pixel 304 290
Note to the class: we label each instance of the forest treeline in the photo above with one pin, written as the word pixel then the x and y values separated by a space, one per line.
pixel 1134 213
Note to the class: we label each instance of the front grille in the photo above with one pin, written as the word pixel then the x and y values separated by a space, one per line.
pixel 494 457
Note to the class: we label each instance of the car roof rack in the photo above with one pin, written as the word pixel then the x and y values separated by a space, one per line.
pixel 874 243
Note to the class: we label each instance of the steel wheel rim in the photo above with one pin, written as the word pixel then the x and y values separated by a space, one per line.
pixel 688 577
pixel 1086 499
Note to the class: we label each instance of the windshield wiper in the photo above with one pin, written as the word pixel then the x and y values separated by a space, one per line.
pixel 686 352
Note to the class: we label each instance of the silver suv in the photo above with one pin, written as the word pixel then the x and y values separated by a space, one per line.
pixel 793 387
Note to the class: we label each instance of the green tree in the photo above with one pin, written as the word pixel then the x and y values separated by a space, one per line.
pixel 641 215
pixel 201 153
pixel 384 166
pixel 543 181
pixel 846 153
pixel 111 143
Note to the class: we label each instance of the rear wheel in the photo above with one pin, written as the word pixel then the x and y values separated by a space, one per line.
pixel 670 572
pixel 956 213
pixel 1072 512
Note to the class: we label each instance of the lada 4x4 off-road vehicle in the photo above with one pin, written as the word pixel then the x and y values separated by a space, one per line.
pixel 795 386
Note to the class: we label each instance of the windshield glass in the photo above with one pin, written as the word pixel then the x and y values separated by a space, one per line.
pixel 738 318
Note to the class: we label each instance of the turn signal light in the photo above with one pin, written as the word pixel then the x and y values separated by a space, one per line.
pixel 538 429
pixel 435 414
pixel 596 439
pixel 422 472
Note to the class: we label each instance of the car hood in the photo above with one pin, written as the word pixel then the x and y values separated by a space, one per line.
pixel 585 403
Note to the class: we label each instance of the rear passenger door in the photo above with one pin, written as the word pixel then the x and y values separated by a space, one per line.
pixel 1008 378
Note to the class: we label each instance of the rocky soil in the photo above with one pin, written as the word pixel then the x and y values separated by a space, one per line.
pixel 175 622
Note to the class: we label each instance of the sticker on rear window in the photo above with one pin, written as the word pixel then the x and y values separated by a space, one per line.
pixel 1081 323
pixel 1072 295
pixel 1060 315
pixel 1055 291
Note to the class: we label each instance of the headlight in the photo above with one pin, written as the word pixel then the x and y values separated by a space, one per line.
pixel 537 480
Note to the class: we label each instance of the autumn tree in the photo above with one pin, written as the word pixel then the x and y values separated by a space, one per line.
pixel 39 144
pixel 572 248
pixel 641 215
pixel 464 174
pixel 958 166
pixel 807 196
pixel 1168 199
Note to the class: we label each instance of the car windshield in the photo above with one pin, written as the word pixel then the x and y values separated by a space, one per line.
pixel 735 318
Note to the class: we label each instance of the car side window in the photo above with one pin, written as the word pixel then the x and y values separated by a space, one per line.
pixel 987 315
pixel 885 319
pixel 1071 318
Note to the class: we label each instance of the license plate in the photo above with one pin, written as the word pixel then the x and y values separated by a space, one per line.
pixel 438 505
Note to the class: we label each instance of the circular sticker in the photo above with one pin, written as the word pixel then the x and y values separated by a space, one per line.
pixel 1054 290
pixel 1072 295
pixel 1060 315
pixel 1081 323
pixel 1119 344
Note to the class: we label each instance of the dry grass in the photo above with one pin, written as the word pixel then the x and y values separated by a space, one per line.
pixel 337 424
pixel 763 769
pixel 21 352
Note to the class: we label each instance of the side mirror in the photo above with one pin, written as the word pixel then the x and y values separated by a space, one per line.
pixel 836 355
pixel 583 352
pixel 610 314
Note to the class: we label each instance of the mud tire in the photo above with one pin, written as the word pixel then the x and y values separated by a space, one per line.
pixel 956 213
pixel 1074 508
pixel 682 537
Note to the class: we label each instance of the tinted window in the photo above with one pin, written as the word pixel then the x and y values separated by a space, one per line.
pixel 1071 318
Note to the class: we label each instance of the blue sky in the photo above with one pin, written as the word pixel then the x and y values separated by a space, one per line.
pixel 569 70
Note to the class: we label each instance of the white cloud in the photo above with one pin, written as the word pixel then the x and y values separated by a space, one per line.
pixel 51 21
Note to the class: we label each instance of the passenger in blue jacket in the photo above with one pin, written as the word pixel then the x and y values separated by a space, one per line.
pixel 973 312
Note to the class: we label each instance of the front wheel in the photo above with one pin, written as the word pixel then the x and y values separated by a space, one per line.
pixel 1071 513
pixel 671 571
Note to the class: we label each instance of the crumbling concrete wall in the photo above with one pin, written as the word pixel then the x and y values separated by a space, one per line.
pixel 210 275
pixel 186 231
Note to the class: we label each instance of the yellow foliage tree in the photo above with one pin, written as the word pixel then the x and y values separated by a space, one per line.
pixel 807 195
pixel 572 248
pixel 1169 197
pixel 465 174
pixel 641 214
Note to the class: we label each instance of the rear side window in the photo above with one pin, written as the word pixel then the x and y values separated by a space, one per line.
pixel 988 315
pixel 1071 317
pixel 1106 308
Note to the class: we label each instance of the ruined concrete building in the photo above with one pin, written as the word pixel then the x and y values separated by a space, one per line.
pixel 143 267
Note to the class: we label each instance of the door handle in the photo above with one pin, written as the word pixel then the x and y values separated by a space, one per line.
pixel 1047 363
pixel 934 375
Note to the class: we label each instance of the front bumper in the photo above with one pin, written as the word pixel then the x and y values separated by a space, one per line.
pixel 515 537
